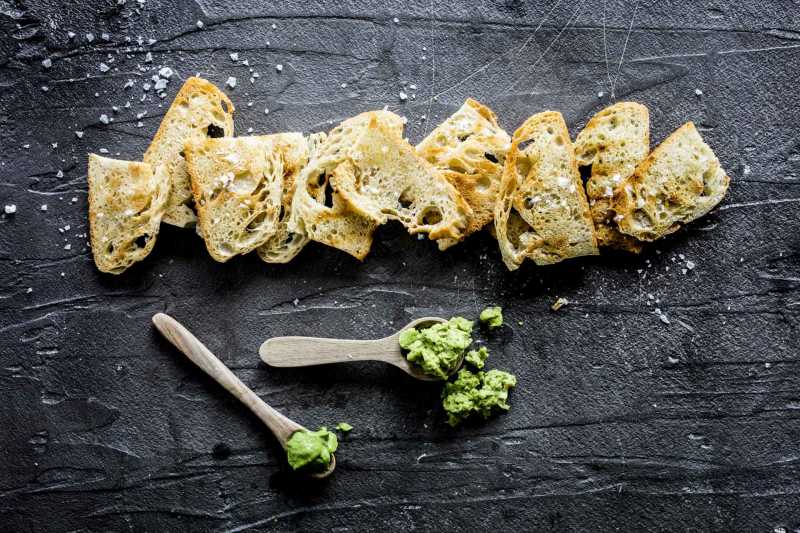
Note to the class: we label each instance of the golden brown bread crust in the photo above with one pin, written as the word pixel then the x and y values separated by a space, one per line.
pixel 542 212
pixel 613 142
pixel 680 181
pixel 198 105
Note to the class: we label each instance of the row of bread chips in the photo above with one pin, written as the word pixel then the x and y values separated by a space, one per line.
pixel 274 193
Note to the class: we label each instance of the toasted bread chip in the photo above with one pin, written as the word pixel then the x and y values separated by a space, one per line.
pixel 542 212
pixel 614 142
pixel 200 110
pixel 127 201
pixel 680 181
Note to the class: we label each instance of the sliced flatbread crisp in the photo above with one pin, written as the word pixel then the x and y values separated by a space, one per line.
pixel 614 142
pixel 284 245
pixel 680 181
pixel 237 184
pixel 384 179
pixel 318 210
pixel 126 203
pixel 200 110
pixel 542 212
pixel 470 148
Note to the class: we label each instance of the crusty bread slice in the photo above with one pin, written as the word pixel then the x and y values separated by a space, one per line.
pixel 284 245
pixel 200 110
pixel 126 203
pixel 317 208
pixel 680 181
pixel 237 184
pixel 542 212
pixel 613 142
pixel 384 179
pixel 470 148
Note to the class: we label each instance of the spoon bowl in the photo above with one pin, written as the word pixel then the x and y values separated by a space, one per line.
pixel 310 351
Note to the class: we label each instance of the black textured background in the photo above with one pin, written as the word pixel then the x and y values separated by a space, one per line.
pixel 621 421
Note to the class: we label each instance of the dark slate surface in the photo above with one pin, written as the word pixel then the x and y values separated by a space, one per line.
pixel 620 421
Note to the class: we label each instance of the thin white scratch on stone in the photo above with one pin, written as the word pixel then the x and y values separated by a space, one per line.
pixel 624 47
pixel 502 56
pixel 756 50
pixel 759 202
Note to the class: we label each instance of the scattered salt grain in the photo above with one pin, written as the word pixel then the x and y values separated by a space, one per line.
pixel 231 82
pixel 403 96
pixel 200 25
pixel 90 37
pixel 79 134
pixel 70 34
pixel 47 63
pixel 104 68
pixel 698 92
pixel 105 36
pixel 67 246
pixel 690 265
pixel 104 118
pixel 279 67
pixel 166 72
pixel 148 57
pixel 44 207
pixel 60 173
pixel 396 20
pixel 234 56
pixel 10 209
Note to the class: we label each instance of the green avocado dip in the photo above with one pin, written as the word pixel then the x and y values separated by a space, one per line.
pixel 477 358
pixel 476 393
pixel 437 349
pixel 492 317
pixel 311 450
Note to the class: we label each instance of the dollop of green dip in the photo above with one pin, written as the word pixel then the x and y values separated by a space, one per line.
pixel 476 393
pixel 311 450
pixel 492 317
pixel 344 427
pixel 437 349
pixel 477 358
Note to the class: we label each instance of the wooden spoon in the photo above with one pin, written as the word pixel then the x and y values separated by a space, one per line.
pixel 280 426
pixel 309 351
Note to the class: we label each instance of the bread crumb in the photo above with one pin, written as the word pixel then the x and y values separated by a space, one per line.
pixel 559 303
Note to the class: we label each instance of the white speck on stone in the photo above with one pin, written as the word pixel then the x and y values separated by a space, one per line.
pixel 79 134
pixel 746 170
pixel 47 63
pixel 200 25
pixel 148 57
pixel 67 246
pixel 396 20
pixel 234 56
pixel 231 82
pixel 403 96
pixel 104 119
pixel 412 87
pixel 10 209
pixel 104 68
pixel 274 27
pixel 90 37
pixel 698 92
pixel 103 150
pixel 70 34
pixel 44 207
pixel 600 94
pixel 105 36
pixel 29 290
pixel 146 87
pixel 344 85
pixel 279 67
pixel 166 72
pixel 128 84
pixel 266 111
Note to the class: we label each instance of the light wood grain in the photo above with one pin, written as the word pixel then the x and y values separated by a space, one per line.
pixel 310 351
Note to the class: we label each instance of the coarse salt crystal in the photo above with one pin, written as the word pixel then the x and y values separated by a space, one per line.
pixel 104 118
pixel 231 82
pixel 279 67
pixel 166 72
pixel 10 209
pixel 200 24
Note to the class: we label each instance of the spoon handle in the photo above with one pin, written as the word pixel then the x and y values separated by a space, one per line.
pixel 309 351
pixel 196 351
